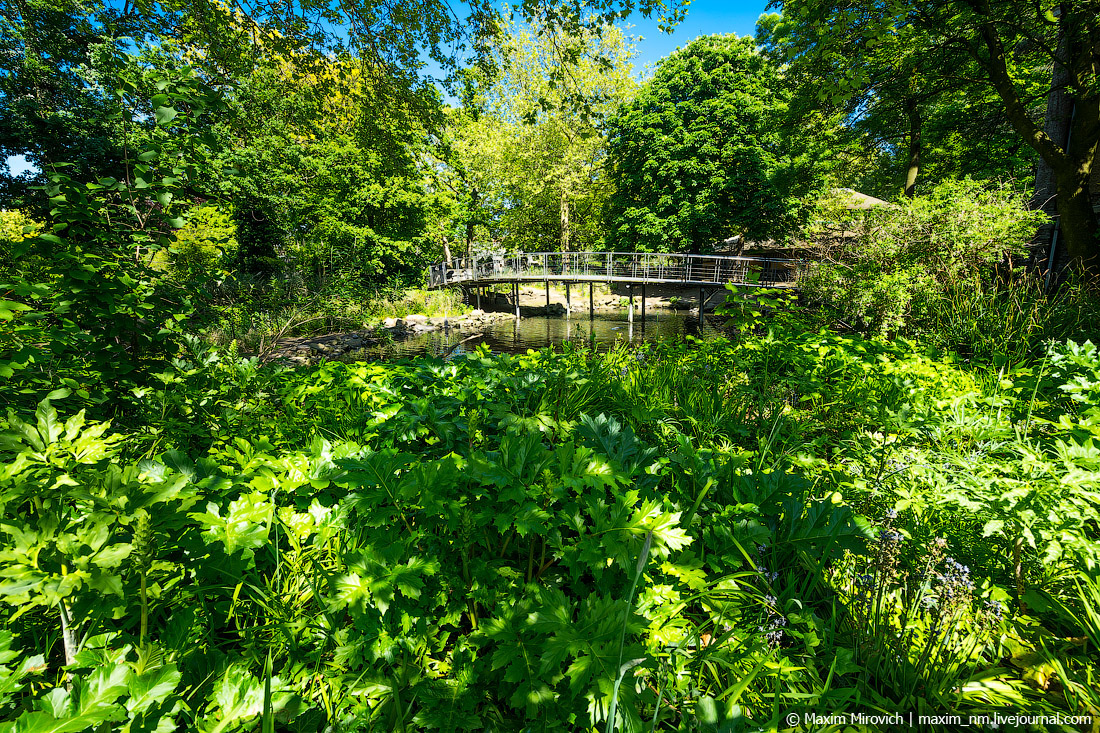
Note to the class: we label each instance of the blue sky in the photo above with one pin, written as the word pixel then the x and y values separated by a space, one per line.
pixel 704 17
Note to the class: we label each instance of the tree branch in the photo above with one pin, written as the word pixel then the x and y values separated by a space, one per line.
pixel 997 67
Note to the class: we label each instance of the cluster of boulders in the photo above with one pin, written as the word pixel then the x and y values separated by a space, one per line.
pixel 603 302
pixel 311 349
pixel 475 320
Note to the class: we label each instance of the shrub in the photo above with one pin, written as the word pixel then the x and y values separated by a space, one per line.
pixel 209 236
pixel 15 226
pixel 890 265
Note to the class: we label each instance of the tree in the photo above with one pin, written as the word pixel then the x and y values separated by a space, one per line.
pixel 877 81
pixel 467 170
pixel 897 121
pixel 47 112
pixel 695 158
pixel 1007 42
pixel 556 182
pixel 325 172
pixel 51 111
pixel 525 155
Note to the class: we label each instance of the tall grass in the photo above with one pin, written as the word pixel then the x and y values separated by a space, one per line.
pixel 257 329
pixel 399 303
pixel 998 320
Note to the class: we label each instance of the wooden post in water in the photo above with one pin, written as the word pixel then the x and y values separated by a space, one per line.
pixel 515 289
pixel 568 302
pixel 478 292
pixel 591 303
pixel 643 304
pixel 548 296
pixel 630 306
pixel 700 306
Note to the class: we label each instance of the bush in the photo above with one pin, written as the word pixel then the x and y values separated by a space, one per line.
pixel 890 266
pixel 209 237
pixel 513 542
pixel 15 226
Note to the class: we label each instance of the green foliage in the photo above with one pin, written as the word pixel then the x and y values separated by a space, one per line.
pixel 103 309
pixel 928 49
pixel 1076 367
pixel 15 228
pixel 51 110
pixel 202 247
pixel 525 156
pixel 694 156
pixel 576 540
pixel 258 239
pixel 320 169
pixel 684 536
pixel 1009 320
pixel 893 118
pixel 887 267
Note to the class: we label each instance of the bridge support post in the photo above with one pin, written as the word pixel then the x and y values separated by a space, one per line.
pixel 630 307
pixel 477 291
pixel 547 297
pixel 568 302
pixel 701 306
pixel 515 291
pixel 643 304
pixel 591 306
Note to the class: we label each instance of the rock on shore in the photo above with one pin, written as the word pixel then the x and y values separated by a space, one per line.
pixel 301 350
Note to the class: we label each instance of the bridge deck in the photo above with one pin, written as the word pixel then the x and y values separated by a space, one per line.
pixel 624 267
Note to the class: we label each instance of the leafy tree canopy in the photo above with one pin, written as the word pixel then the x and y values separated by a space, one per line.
pixel 696 156
pixel 897 116
pixel 1005 44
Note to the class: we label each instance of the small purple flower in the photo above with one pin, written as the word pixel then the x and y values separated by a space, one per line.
pixel 956 580
pixel 766 574
pixel 891 513
pixel 890 537
pixel 774 638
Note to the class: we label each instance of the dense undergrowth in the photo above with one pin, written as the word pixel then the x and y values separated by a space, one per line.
pixel 256 317
pixel 699 536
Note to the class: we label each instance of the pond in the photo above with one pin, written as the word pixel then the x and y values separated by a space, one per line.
pixel 516 337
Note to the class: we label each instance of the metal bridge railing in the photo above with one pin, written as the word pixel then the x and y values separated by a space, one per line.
pixel 637 267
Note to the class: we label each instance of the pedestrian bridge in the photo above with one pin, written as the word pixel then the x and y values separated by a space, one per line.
pixel 617 267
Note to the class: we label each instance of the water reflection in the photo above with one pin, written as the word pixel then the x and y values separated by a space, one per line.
pixel 516 337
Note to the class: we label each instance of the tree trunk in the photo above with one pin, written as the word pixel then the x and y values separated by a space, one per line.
pixel 1071 164
pixel 565 223
pixel 1056 125
pixel 912 110
pixel 1077 219
pixel 470 221
pixel 447 251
